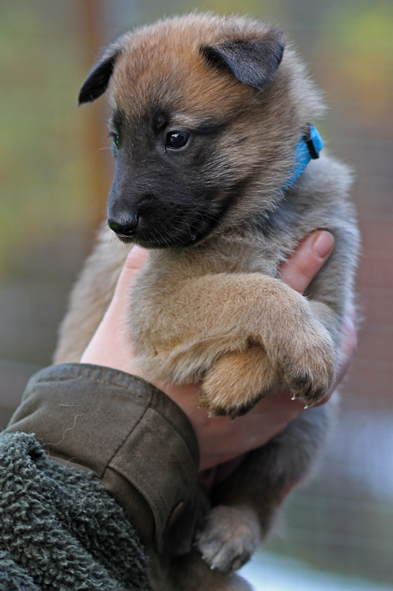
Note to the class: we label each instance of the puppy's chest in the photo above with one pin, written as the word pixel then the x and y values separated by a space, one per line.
pixel 242 255
pixel 232 255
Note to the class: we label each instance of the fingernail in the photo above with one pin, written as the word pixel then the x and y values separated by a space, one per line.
pixel 323 244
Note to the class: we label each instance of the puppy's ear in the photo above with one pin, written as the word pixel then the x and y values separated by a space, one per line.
pixel 97 81
pixel 253 62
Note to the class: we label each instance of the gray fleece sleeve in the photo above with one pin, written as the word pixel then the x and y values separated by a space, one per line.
pixel 59 529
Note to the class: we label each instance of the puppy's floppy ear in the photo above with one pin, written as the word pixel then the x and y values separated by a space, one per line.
pixel 97 81
pixel 253 62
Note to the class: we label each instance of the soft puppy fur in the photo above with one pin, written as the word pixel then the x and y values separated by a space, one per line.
pixel 206 115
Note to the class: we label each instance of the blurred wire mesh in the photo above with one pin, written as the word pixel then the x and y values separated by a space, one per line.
pixel 55 175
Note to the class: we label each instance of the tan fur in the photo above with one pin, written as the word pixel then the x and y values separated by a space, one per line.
pixel 223 387
pixel 187 338
pixel 214 311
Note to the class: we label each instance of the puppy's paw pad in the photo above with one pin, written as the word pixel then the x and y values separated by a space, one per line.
pixel 236 382
pixel 228 538
pixel 237 409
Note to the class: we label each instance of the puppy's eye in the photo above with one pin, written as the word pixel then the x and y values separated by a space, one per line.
pixel 176 139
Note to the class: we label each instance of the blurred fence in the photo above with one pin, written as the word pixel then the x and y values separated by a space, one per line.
pixel 55 175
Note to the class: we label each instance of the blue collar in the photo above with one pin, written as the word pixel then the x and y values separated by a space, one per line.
pixel 307 148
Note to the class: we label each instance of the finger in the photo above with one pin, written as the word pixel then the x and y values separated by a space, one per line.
pixel 306 261
pixel 111 345
pixel 134 262
pixel 136 258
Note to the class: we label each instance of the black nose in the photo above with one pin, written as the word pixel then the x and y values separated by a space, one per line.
pixel 125 227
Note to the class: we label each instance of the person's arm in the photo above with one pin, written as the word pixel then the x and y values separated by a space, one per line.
pixel 125 433
pixel 220 439
pixel 143 443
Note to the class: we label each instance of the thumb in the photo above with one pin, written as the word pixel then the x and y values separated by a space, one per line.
pixel 307 260
pixel 133 264
pixel 110 345
pixel 135 258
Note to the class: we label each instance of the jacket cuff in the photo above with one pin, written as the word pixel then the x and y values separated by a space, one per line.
pixel 133 438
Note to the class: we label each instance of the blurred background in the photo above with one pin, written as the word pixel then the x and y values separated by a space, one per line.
pixel 55 174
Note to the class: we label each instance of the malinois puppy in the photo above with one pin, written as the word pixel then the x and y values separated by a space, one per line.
pixel 217 173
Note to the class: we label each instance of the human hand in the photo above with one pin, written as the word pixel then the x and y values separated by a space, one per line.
pixel 220 439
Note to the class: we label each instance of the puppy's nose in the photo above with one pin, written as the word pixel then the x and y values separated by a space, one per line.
pixel 124 227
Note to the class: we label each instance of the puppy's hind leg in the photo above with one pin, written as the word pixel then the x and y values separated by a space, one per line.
pixel 191 573
pixel 228 537
pixel 237 381
pixel 247 502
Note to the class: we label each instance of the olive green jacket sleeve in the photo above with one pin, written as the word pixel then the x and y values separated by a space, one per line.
pixel 130 435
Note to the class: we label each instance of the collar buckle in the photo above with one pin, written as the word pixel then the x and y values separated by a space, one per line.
pixel 308 148
pixel 313 141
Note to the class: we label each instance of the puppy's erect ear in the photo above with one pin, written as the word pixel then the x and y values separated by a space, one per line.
pixel 97 81
pixel 253 62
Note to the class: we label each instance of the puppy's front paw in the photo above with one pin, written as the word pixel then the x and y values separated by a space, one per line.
pixel 310 366
pixel 229 537
pixel 236 382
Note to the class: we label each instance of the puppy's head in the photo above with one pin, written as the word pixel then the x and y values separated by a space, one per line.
pixel 205 119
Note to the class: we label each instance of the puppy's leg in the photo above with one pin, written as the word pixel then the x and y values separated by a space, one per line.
pixel 248 501
pixel 237 381
pixel 191 573
pixel 201 319
pixel 228 537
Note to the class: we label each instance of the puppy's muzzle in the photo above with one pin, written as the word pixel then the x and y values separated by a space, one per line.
pixel 125 227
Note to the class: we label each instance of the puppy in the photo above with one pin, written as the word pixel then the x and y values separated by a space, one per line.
pixel 217 173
